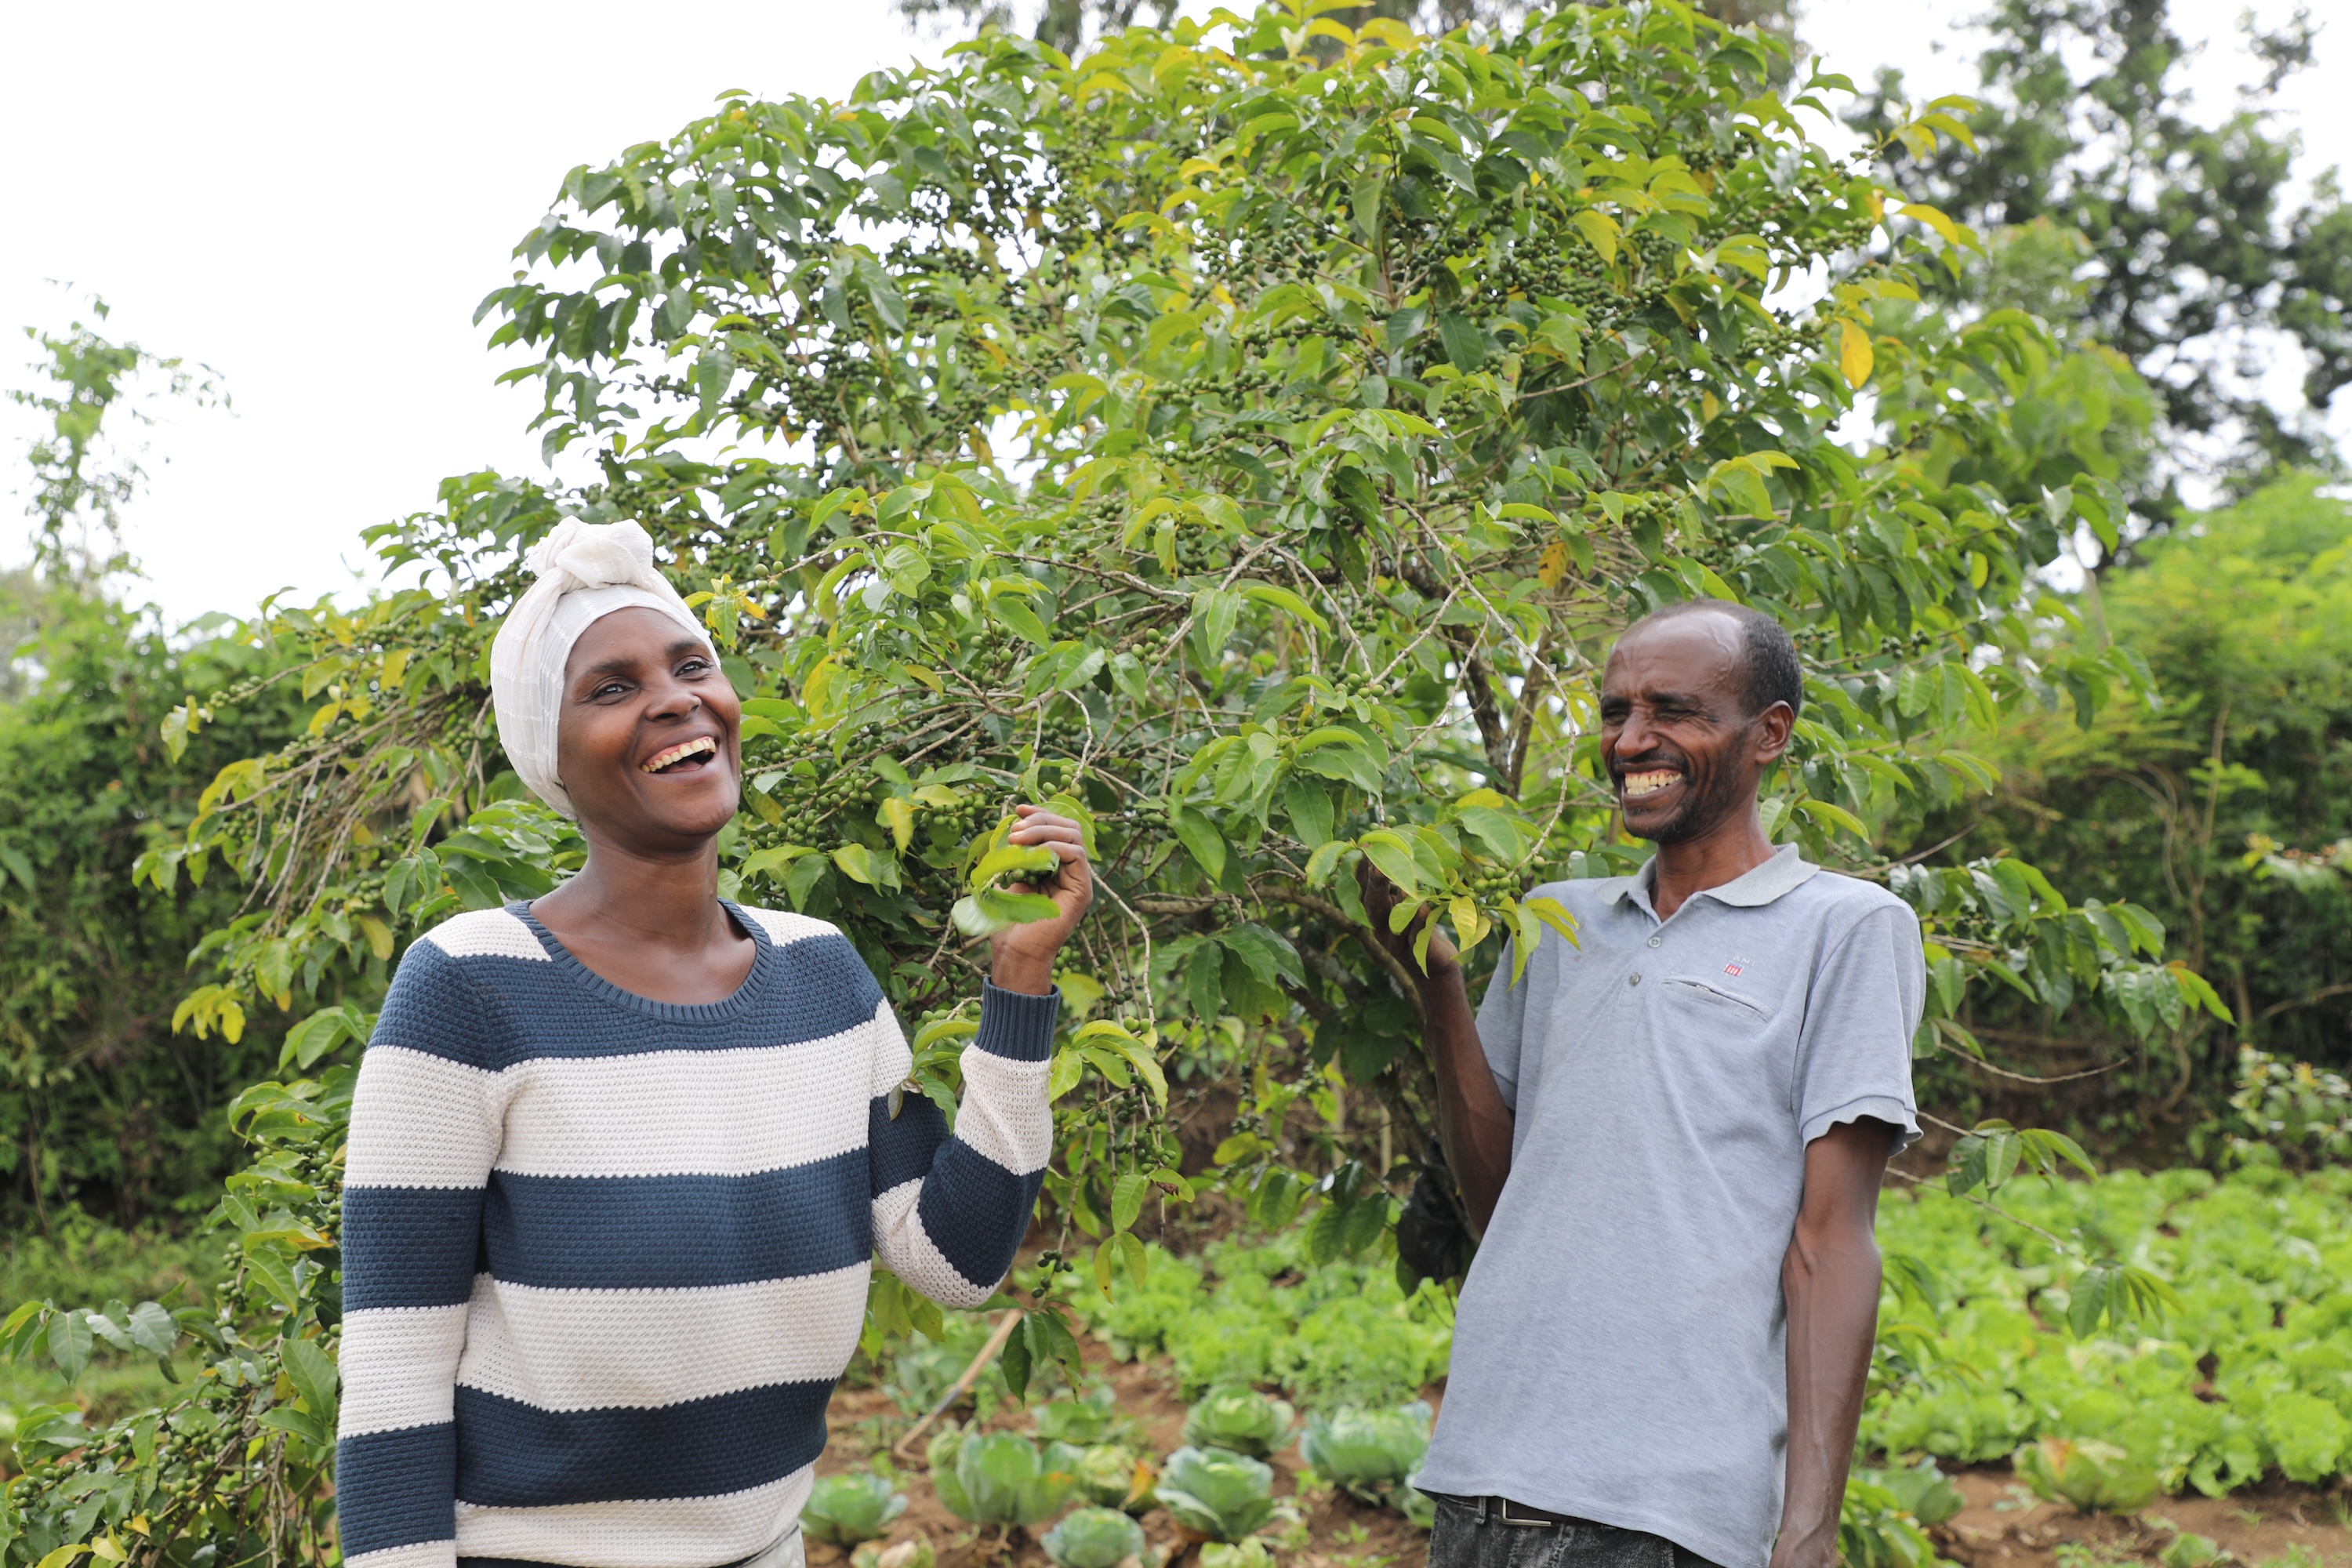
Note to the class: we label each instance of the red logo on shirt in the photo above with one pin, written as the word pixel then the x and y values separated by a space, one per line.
pixel 1731 969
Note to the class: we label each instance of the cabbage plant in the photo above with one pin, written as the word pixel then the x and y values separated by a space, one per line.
pixel 1921 1490
pixel 1112 1475
pixel 2096 1478
pixel 1217 1493
pixel 1082 1422
pixel 1369 1452
pixel 1251 1553
pixel 915 1554
pixel 1240 1419
pixel 848 1508
pixel 1002 1478
pixel 1094 1538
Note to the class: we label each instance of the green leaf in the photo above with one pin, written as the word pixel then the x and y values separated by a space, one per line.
pixel 1394 857
pixel 1465 345
pixel 1127 1198
pixel 1201 839
pixel 313 1373
pixel 70 1343
pixel 152 1328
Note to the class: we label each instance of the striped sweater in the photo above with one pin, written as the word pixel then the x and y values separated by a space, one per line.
pixel 605 1258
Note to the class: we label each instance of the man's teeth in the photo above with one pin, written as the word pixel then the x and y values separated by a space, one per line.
pixel 1650 783
pixel 701 745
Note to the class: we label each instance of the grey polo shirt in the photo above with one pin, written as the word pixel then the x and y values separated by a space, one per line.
pixel 1619 1352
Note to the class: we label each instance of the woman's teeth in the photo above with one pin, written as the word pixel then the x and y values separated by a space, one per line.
pixel 701 745
pixel 1650 783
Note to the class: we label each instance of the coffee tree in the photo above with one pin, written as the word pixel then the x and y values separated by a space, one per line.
pixel 1250 435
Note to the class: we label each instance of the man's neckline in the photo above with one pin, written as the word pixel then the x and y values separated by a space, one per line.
pixel 1763 884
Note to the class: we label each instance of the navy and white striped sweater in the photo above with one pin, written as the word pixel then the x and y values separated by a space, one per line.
pixel 605 1258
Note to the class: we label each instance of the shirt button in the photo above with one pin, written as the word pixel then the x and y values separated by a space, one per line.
pixel 1656 940
pixel 1634 978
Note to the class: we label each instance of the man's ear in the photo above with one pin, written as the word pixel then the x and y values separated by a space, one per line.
pixel 1772 728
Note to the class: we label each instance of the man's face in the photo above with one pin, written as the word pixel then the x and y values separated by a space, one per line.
pixel 646 745
pixel 1675 733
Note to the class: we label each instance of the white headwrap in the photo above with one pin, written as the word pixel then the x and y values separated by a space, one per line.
pixel 586 571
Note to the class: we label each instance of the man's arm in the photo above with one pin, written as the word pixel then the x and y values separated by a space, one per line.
pixel 1473 1123
pixel 1830 1278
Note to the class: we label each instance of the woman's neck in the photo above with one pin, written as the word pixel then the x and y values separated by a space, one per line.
pixel 668 900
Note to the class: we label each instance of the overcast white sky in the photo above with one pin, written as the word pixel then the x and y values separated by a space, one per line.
pixel 313 199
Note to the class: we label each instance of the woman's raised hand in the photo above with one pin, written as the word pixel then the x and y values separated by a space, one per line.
pixel 1022 956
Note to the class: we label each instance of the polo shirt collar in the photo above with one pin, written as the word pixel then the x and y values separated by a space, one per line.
pixel 1764 884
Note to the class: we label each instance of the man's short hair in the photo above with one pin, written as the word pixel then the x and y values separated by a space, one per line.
pixel 1768 656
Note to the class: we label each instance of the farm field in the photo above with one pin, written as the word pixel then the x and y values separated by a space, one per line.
pixel 2221 1423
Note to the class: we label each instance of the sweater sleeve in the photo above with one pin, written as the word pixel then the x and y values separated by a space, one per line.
pixel 949 1210
pixel 425 1129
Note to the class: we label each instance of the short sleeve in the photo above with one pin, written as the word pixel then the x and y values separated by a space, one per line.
pixel 1502 1026
pixel 1853 1059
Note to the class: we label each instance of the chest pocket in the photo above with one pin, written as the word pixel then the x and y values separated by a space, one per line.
pixel 1700 1000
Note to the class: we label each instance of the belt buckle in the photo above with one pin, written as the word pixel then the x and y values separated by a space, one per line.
pixel 1503 1516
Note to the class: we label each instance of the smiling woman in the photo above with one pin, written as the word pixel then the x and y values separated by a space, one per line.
pixel 620 1156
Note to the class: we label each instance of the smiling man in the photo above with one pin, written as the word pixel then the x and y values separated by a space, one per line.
pixel 1671 1136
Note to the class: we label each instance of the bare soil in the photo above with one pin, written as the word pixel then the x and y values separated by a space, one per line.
pixel 2005 1526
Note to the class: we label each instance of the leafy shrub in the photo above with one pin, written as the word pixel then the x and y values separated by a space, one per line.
pixel 1094 1538
pixel 2289 1113
pixel 1240 1419
pixel 999 1478
pixel 1369 1452
pixel 1222 1495
pixel 848 1508
pixel 1112 1475
pixel 2094 1476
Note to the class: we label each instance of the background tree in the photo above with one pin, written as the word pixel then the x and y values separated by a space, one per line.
pixel 1068 25
pixel 2176 243
pixel 103 1103
pixel 2222 810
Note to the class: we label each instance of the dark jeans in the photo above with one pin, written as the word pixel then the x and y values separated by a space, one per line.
pixel 1464 1539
